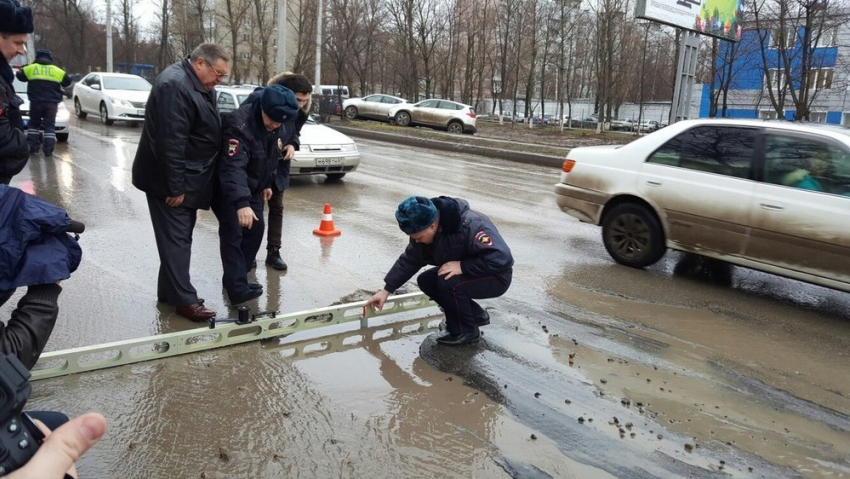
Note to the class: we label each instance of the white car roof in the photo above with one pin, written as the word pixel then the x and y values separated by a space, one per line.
pixel 105 74
pixel 833 131
pixel 235 90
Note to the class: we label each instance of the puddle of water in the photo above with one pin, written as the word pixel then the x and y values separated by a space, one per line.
pixel 693 392
pixel 336 408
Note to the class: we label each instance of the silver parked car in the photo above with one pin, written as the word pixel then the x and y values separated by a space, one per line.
pixel 374 107
pixel 452 116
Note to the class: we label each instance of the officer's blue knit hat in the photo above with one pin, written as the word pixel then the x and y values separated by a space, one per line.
pixel 415 214
pixel 278 102
pixel 14 18
pixel 44 53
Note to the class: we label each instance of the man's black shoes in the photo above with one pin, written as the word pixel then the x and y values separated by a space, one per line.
pixel 274 260
pixel 467 337
pixel 247 296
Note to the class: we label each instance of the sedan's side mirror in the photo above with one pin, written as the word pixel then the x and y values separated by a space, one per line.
pixel 96 86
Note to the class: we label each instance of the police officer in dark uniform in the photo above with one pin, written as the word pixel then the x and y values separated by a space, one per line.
pixel 45 92
pixel 472 262
pixel 15 24
pixel 254 137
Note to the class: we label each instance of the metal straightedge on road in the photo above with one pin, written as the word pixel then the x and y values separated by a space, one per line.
pixel 119 353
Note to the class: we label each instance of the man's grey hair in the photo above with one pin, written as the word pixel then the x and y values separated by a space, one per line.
pixel 211 52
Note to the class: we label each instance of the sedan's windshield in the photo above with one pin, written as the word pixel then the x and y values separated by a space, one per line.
pixel 126 83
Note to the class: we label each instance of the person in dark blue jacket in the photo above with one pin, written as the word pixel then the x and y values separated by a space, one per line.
pixel 45 93
pixel 472 262
pixel 15 24
pixel 36 252
pixel 254 136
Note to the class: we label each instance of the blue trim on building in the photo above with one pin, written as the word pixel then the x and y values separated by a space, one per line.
pixel 748 71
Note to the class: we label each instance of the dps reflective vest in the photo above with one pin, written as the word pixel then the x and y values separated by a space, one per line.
pixel 45 81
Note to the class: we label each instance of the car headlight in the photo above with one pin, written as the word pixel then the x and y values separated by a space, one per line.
pixel 119 101
pixel 348 147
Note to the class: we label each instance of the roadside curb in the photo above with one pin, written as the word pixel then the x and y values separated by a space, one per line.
pixel 528 158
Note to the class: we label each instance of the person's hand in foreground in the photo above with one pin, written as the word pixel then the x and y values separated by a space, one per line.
pixel 62 448
pixel 377 301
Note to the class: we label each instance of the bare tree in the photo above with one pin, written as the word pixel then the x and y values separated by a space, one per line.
pixel 794 29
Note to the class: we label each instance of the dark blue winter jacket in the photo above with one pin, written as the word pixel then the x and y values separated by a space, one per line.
pixel 34 245
pixel 463 235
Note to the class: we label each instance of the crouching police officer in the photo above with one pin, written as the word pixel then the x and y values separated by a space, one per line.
pixel 254 136
pixel 472 259
pixel 45 92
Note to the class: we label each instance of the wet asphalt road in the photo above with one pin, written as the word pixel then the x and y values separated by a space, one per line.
pixel 745 368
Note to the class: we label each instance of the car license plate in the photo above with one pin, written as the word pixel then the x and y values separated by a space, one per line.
pixel 140 112
pixel 329 161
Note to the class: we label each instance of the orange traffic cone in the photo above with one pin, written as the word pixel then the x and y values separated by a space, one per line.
pixel 327 228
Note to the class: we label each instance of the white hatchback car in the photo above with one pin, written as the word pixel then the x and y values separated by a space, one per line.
pixel 113 96
pixel 323 151
pixel 452 116
pixel 772 196
pixel 375 107
pixel 63 116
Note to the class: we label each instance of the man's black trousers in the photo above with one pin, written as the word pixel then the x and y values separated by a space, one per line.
pixel 456 295
pixel 238 245
pixel 172 228
pixel 42 117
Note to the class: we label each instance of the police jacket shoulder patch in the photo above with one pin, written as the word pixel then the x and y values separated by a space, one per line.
pixel 232 147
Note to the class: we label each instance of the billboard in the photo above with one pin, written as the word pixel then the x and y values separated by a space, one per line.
pixel 717 18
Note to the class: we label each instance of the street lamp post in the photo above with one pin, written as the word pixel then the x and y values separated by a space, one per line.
pixel 109 36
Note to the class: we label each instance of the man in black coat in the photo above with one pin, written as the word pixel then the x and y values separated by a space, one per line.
pixel 254 137
pixel 175 164
pixel 15 24
pixel 302 88
pixel 472 262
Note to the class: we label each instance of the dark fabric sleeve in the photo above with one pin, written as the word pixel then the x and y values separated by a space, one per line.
pixel 174 117
pixel 233 168
pixel 404 268
pixel 66 80
pixel 14 151
pixel 21 75
pixel 488 252
pixel 32 321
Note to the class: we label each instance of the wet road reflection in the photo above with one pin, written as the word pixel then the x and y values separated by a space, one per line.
pixel 744 353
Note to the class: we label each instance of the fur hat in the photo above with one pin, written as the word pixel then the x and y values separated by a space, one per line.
pixel 14 18
pixel 279 103
pixel 44 53
pixel 415 214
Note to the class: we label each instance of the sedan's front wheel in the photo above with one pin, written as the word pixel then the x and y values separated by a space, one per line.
pixel 351 113
pixel 104 115
pixel 402 118
pixel 78 109
pixel 633 236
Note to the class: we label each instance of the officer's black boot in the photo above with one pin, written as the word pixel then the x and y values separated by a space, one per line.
pixel 467 337
pixel 274 260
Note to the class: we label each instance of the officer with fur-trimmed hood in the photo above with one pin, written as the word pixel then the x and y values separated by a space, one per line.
pixel 472 262
pixel 15 24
